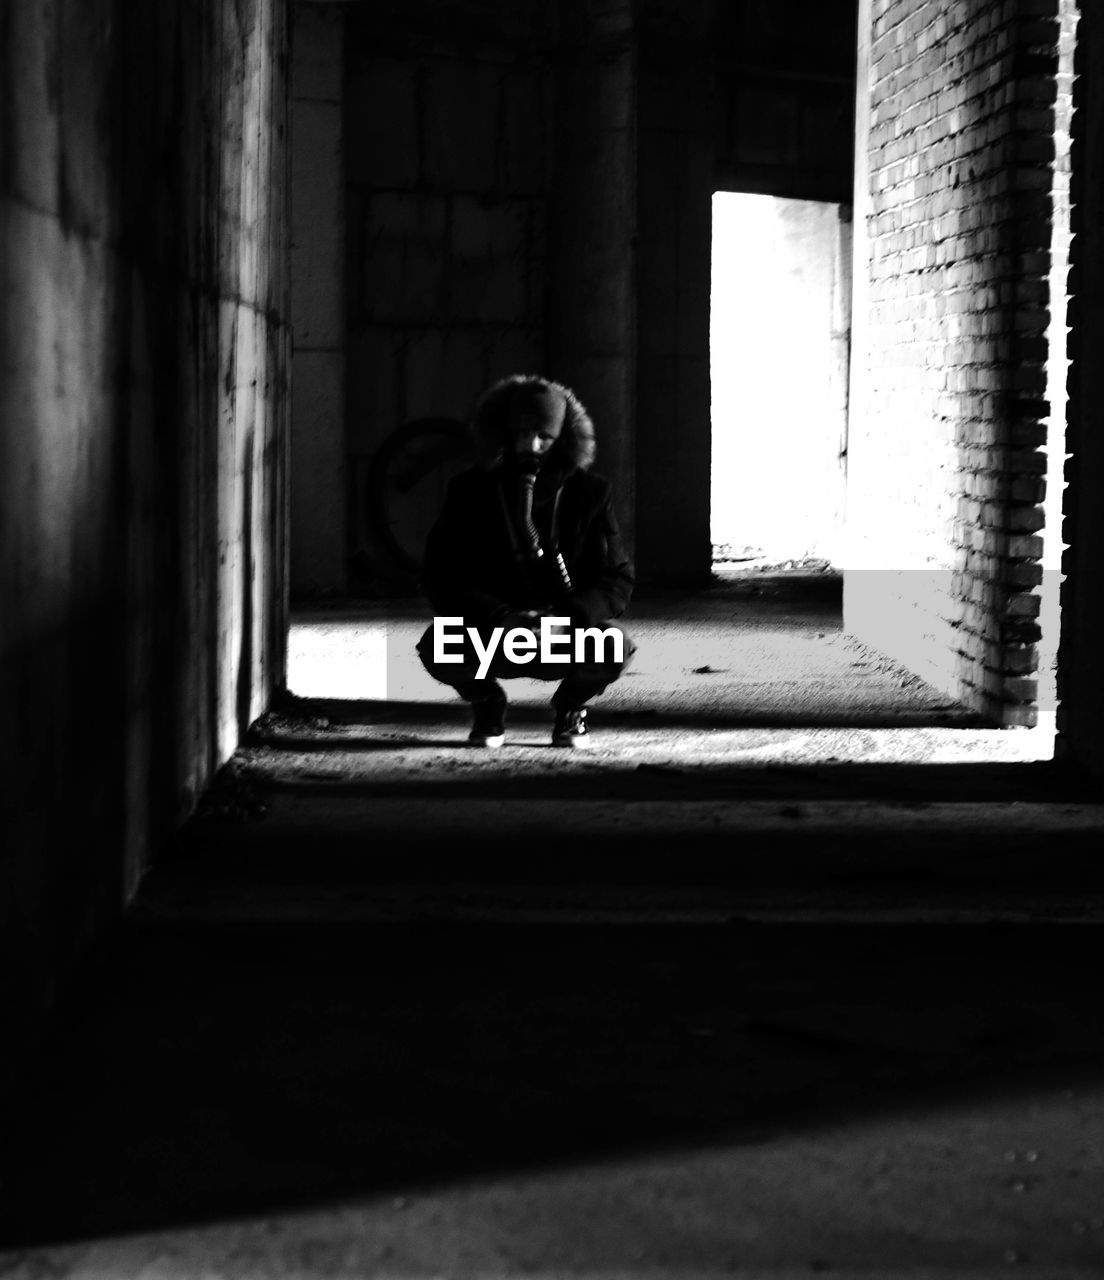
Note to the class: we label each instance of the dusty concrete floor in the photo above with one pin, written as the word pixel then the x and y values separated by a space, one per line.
pixel 493 1100
pixel 756 669
pixel 737 993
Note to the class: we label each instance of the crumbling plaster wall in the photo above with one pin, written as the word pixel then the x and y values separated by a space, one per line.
pixel 145 355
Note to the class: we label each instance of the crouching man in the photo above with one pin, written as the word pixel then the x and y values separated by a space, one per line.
pixel 524 567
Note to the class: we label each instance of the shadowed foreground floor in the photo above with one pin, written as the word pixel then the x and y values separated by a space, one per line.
pixel 755 669
pixel 571 1100
pixel 696 1004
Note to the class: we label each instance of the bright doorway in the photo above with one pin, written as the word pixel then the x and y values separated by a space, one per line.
pixel 780 325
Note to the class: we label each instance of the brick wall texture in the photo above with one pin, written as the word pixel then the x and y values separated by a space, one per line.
pixel 961 154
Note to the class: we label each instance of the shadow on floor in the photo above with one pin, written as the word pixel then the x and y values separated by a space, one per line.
pixel 336 747
pixel 202 1072
pixel 350 713
pixel 253 1040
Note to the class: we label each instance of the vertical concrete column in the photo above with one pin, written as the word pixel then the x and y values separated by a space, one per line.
pixel 677 179
pixel 251 383
pixel 318 462
pixel 1080 681
pixel 592 318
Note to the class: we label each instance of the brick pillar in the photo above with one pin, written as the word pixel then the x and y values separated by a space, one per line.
pixel 946 461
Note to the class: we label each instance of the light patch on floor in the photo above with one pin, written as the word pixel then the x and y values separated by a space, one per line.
pixel 718 674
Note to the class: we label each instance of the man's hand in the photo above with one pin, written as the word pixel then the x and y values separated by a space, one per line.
pixel 529 619
pixel 561 628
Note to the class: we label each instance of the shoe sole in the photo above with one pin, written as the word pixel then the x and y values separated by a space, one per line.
pixel 493 740
pixel 577 744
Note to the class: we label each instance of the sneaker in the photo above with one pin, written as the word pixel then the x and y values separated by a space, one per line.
pixel 571 727
pixel 489 727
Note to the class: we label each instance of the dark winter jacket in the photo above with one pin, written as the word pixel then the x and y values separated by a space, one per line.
pixel 474 565
pixel 472 570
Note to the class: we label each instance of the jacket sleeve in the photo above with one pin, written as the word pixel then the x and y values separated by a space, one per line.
pixel 450 577
pixel 604 575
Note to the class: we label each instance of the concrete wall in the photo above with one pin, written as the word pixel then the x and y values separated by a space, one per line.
pixel 319 497
pixel 447 154
pixel 145 355
pixel 677 148
pixel 592 230
pixel 946 466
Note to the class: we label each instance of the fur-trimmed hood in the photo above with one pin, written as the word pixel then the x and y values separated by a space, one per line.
pixel 573 451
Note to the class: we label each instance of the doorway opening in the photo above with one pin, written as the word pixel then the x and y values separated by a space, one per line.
pixel 780 324
pixel 1057 370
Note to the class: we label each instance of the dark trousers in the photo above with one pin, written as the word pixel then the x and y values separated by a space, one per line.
pixel 579 681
